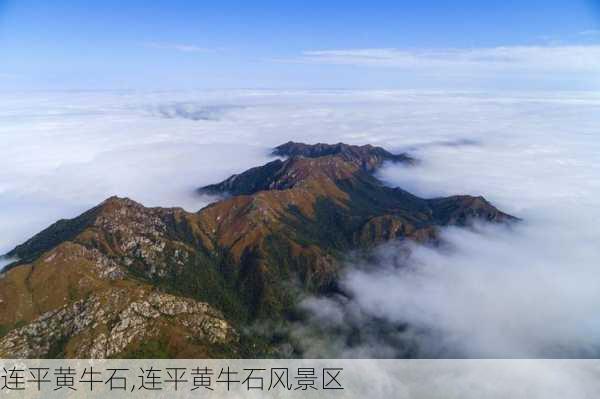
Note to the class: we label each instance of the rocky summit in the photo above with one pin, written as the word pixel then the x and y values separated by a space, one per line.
pixel 124 280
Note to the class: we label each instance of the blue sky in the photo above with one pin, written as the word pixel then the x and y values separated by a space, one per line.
pixel 552 44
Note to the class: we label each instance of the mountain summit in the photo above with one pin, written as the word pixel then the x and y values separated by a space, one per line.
pixel 126 280
pixel 368 156
pixel 336 161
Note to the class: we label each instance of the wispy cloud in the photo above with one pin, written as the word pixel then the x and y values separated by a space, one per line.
pixel 590 32
pixel 536 58
pixel 9 76
pixel 183 47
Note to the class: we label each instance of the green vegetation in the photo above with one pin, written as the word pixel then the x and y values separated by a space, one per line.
pixel 151 349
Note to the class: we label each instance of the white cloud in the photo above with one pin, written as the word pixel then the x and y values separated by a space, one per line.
pixel 497 293
pixel 185 48
pixel 9 76
pixel 590 32
pixel 524 58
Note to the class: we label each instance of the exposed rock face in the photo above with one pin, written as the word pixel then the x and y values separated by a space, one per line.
pixel 105 324
pixel 84 285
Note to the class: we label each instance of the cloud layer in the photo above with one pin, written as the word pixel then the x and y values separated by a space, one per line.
pixel 571 58
pixel 185 48
pixel 532 291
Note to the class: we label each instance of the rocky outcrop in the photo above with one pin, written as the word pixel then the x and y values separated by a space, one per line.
pixel 107 323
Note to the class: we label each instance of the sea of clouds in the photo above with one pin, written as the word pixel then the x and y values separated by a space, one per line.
pixel 531 291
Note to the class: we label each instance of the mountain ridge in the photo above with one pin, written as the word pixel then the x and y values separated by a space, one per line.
pixel 280 232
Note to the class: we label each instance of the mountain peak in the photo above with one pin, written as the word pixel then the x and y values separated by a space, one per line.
pixel 367 156
pixel 307 162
